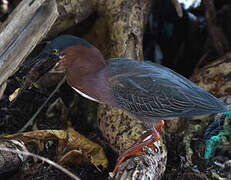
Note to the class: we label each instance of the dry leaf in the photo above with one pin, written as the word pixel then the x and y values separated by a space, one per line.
pixel 70 142
pixel 14 94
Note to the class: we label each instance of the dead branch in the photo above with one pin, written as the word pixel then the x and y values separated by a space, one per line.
pixel 144 166
pixel 215 76
pixel 71 14
pixel 2 89
pixel 25 27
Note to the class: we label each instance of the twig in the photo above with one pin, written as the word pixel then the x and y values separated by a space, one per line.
pixel 32 119
pixel 43 159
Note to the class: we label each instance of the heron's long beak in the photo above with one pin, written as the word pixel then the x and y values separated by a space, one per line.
pixel 44 63
pixel 37 67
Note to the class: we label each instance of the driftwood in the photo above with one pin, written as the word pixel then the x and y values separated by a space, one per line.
pixel 25 27
pixel 72 12
pixel 215 76
pixel 2 89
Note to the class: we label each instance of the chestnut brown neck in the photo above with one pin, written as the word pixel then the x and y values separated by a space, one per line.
pixel 82 65
pixel 83 61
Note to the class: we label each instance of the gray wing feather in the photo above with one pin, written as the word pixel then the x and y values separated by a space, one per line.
pixel 148 89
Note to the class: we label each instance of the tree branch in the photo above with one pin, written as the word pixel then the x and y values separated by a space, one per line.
pixel 25 27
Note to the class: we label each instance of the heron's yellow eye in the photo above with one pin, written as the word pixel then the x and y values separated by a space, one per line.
pixel 55 51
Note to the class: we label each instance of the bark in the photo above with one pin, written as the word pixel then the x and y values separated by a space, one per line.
pixel 71 12
pixel 25 27
pixel 2 89
pixel 215 77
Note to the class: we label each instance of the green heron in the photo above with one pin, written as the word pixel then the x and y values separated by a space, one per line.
pixel 149 92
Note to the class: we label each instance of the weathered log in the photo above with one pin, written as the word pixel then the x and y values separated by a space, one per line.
pixel 26 26
pixel 146 166
pixel 215 77
pixel 2 89
pixel 71 12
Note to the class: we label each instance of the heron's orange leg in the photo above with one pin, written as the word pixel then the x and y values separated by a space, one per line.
pixel 159 125
pixel 137 147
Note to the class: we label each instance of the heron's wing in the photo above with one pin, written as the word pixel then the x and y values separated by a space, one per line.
pixel 147 89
